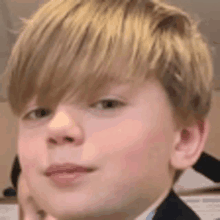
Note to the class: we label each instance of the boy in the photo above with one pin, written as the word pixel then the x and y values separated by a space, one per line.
pixel 144 60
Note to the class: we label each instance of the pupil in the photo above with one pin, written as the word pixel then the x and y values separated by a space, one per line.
pixel 41 112
pixel 109 104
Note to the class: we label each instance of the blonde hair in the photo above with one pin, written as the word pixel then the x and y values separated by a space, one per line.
pixel 70 48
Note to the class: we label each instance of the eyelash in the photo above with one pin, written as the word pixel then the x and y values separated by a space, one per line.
pixel 119 103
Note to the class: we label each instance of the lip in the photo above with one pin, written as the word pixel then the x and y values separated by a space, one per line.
pixel 66 168
pixel 67 179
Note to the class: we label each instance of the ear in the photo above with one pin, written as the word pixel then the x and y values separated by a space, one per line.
pixel 189 145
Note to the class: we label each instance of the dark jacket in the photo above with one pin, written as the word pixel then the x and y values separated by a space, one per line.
pixel 173 208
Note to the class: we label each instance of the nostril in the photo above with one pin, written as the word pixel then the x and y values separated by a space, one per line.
pixel 52 141
pixel 56 140
pixel 69 139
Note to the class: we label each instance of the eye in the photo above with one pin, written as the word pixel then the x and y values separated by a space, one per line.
pixel 38 114
pixel 109 104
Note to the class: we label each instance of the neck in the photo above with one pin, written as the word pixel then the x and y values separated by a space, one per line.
pixel 154 206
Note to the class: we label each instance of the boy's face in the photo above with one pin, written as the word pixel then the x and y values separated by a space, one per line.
pixel 130 146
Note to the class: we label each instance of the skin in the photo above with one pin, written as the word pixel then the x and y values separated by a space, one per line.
pixel 135 150
pixel 29 207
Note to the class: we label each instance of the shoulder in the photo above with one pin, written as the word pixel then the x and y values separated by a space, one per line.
pixel 173 208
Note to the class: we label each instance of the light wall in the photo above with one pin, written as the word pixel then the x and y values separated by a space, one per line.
pixel 8 134
pixel 213 143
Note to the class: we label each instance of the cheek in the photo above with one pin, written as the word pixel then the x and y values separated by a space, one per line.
pixel 28 149
pixel 116 140
pixel 132 146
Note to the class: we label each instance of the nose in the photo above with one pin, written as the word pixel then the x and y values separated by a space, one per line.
pixel 63 130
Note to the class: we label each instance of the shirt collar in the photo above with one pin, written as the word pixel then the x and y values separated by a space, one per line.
pixel 151 215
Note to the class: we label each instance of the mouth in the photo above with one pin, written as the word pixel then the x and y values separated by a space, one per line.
pixel 63 175
pixel 67 168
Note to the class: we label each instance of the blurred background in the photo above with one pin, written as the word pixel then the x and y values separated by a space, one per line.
pixel 11 10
